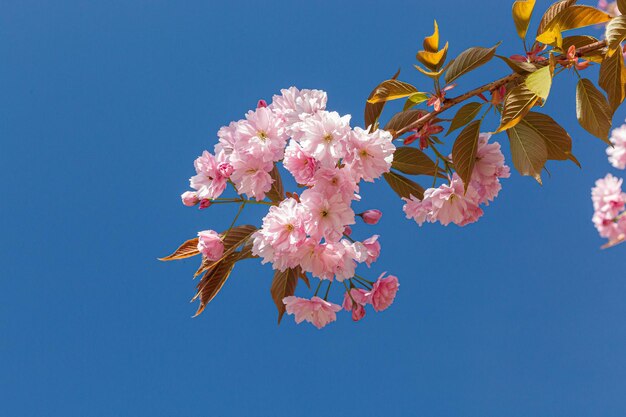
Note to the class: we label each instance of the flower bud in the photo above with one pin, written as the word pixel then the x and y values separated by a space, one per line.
pixel 261 103
pixel 225 169
pixel 371 216
pixel 189 198
pixel 206 203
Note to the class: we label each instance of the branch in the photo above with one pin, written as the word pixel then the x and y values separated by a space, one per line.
pixel 487 87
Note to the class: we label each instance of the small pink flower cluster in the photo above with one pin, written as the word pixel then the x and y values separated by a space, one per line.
pixel 320 312
pixel 610 7
pixel 609 201
pixel 451 203
pixel 617 153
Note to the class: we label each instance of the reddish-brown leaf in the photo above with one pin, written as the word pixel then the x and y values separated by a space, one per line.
pixel 186 250
pixel 284 285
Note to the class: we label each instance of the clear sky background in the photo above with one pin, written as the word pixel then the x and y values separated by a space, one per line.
pixel 103 108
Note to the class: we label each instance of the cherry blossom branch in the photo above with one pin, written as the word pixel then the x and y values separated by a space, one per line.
pixel 494 85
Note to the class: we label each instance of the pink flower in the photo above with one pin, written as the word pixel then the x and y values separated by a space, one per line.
pixel 299 164
pixel 316 311
pixel 369 154
pixel 293 105
pixel 262 135
pixel 327 260
pixel 418 210
pixel 489 167
pixel 251 175
pixel 617 154
pixel 371 216
pixel 327 216
pixel 355 301
pixel 323 136
pixel 189 198
pixel 283 226
pixel 383 292
pixel 372 249
pixel 452 204
pixel 261 103
pixel 209 182
pixel 210 244
pixel 336 181
pixel 607 195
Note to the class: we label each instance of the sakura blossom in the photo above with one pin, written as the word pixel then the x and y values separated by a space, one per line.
pixel 371 216
pixel 383 292
pixel 316 311
pixel 452 202
pixel 609 202
pixel 324 135
pixel 370 154
pixel 210 245
pixel 617 153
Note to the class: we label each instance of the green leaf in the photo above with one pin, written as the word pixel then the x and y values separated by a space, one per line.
pixel 551 13
pixel 558 141
pixel 572 17
pixel 284 285
pixel 613 79
pixel 517 104
pixel 528 150
pixel 186 250
pixel 469 60
pixel 522 11
pixel 415 99
pixel 392 90
pixel 522 68
pixel 466 114
pixel 212 282
pixel 403 186
pixel 373 111
pixel 276 194
pixel 403 119
pixel 539 82
pixel 412 161
pixel 592 110
pixel 464 151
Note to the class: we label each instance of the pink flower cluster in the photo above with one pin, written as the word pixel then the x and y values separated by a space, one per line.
pixel 617 153
pixel 609 202
pixel 320 312
pixel 451 203
pixel 311 231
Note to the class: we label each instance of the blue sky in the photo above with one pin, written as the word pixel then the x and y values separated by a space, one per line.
pixel 104 106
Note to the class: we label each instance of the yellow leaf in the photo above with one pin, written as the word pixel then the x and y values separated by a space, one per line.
pixel 433 60
pixel 391 90
pixel 539 82
pixel 431 43
pixel 522 11
pixel 615 34
pixel 572 17
pixel 431 74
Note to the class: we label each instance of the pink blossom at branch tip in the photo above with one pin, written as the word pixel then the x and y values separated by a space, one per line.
pixel 617 153
pixel 189 198
pixel 369 154
pixel 347 230
pixel 371 216
pixel 301 165
pixel 355 301
pixel 210 244
pixel 204 204
pixel 383 292
pixel 607 195
pixel 316 310
pixel 323 136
